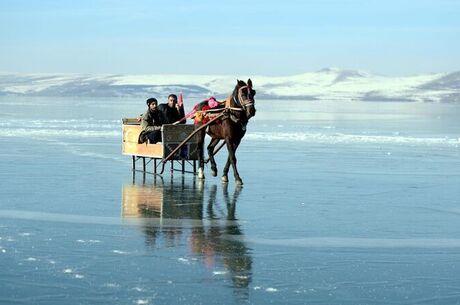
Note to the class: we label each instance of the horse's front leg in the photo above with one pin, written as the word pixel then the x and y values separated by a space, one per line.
pixel 225 170
pixel 211 147
pixel 231 147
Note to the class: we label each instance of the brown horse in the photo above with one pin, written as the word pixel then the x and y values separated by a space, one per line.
pixel 231 127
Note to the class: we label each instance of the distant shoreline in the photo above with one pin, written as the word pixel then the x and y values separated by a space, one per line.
pixel 326 84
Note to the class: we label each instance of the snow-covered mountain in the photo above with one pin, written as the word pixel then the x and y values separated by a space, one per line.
pixel 326 84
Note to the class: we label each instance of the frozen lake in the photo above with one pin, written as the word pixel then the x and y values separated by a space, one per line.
pixel 343 203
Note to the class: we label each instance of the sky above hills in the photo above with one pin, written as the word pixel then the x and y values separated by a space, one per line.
pixel 229 37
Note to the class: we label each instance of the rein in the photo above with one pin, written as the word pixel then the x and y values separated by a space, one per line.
pixel 223 109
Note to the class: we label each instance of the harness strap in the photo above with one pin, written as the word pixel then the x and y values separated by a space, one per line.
pixel 228 102
pixel 237 101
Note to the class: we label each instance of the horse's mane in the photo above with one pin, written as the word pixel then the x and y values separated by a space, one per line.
pixel 235 90
pixel 230 102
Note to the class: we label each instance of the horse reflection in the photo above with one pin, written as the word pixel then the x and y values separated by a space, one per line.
pixel 212 233
pixel 223 241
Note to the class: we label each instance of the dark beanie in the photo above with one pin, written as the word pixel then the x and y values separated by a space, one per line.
pixel 151 100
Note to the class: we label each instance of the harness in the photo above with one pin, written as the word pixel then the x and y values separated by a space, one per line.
pixel 203 116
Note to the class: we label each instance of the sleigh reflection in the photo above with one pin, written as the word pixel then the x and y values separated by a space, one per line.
pixel 188 213
pixel 157 199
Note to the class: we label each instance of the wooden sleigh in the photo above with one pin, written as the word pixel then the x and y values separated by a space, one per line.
pixel 179 147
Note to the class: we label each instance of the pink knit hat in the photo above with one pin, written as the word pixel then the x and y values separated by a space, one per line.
pixel 212 102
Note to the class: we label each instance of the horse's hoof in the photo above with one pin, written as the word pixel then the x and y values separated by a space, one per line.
pixel 200 174
pixel 224 179
pixel 214 172
pixel 239 182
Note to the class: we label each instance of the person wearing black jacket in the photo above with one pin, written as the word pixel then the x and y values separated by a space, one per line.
pixel 171 111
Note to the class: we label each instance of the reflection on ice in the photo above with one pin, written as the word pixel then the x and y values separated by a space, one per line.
pixel 341 242
pixel 203 226
pixel 97 220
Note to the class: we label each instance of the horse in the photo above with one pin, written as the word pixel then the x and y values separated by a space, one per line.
pixel 231 127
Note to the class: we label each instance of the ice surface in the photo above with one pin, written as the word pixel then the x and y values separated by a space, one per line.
pixel 353 203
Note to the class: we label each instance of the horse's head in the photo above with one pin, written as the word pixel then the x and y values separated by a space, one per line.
pixel 243 95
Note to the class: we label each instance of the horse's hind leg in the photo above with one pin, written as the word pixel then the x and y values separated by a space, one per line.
pixel 211 147
pixel 200 143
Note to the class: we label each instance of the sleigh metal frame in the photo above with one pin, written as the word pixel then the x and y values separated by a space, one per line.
pixel 179 148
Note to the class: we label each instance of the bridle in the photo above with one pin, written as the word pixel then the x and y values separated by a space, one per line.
pixel 244 103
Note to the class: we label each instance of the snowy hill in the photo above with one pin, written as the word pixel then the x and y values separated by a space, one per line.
pixel 326 84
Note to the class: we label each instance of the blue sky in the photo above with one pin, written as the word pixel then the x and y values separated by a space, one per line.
pixel 229 37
